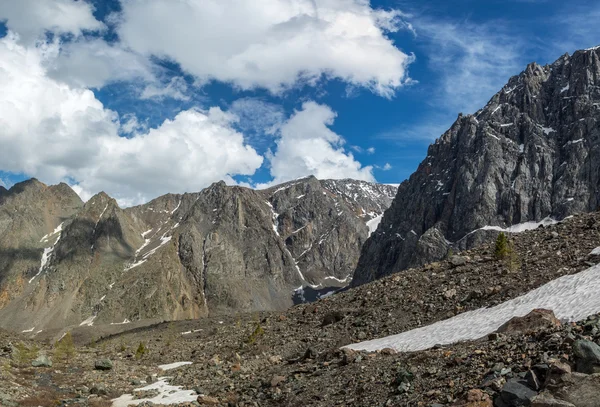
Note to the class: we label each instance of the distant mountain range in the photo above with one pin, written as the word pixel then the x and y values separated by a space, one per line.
pixel 224 249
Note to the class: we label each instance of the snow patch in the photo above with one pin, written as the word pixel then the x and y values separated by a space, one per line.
pixel 89 321
pixel 374 223
pixel 55 231
pixel 595 252
pixel 125 321
pixel 28 330
pixel 520 227
pixel 572 298
pixel 566 88
pixel 547 130
pixel 167 394
pixel 134 265
pixel 177 207
pixel 173 365
pixel 46 257
pixel 568 143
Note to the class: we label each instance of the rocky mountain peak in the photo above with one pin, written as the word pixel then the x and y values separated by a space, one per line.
pixel 531 153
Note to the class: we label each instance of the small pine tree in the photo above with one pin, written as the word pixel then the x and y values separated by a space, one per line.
pixel 24 354
pixel 514 263
pixel 141 351
pixel 258 332
pixel 64 348
pixel 502 248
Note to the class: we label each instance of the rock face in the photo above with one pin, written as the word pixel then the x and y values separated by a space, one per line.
pixel 224 249
pixel 533 152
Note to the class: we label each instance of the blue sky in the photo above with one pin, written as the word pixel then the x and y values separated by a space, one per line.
pixel 352 106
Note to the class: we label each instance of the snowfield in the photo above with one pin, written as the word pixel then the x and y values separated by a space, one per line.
pixel 374 223
pixel 572 298
pixel 167 394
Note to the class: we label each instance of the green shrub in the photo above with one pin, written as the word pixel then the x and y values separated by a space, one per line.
pixel 24 354
pixel 64 348
pixel 141 351
pixel 502 247
pixel 257 333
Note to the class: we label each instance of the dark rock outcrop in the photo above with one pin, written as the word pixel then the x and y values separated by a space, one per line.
pixel 533 152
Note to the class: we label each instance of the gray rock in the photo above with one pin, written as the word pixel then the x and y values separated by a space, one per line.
pixel 546 400
pixel 42 361
pixel 579 389
pixel 523 157
pixel 458 260
pixel 516 393
pixel 587 356
pixel 100 390
pixel 103 364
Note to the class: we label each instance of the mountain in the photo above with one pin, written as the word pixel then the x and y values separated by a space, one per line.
pixel 530 156
pixel 497 352
pixel 31 218
pixel 224 249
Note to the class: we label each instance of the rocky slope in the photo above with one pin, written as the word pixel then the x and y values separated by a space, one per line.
pixel 224 249
pixel 532 152
pixel 293 357
pixel 31 219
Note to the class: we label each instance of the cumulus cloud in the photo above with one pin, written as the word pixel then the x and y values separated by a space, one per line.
pixel 307 146
pixel 56 131
pixel 32 18
pixel 272 44
pixel 94 63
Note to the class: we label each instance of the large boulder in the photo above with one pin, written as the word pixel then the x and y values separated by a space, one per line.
pixel 515 393
pixel 579 389
pixel 534 321
pixel 587 356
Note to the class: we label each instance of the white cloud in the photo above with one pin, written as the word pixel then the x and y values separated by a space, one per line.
pixel 387 167
pixel 273 44
pixel 258 118
pixel 94 63
pixel 54 131
pixel 371 150
pixel 32 18
pixel 176 88
pixel 307 146
pixel 131 125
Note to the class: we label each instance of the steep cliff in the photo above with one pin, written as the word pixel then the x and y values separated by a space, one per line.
pixel 532 153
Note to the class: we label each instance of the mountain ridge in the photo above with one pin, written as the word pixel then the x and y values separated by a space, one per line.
pixel 221 250
pixel 532 152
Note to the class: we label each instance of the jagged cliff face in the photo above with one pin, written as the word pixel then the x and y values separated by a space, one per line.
pixel 224 249
pixel 31 218
pixel 532 152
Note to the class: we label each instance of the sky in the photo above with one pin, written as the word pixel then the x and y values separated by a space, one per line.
pixel 140 98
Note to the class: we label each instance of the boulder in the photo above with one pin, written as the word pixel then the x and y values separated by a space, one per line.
pixel 474 398
pixel 516 393
pixel 587 356
pixel 103 364
pixel 534 321
pixel 42 361
pixel 547 400
pixel 579 389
